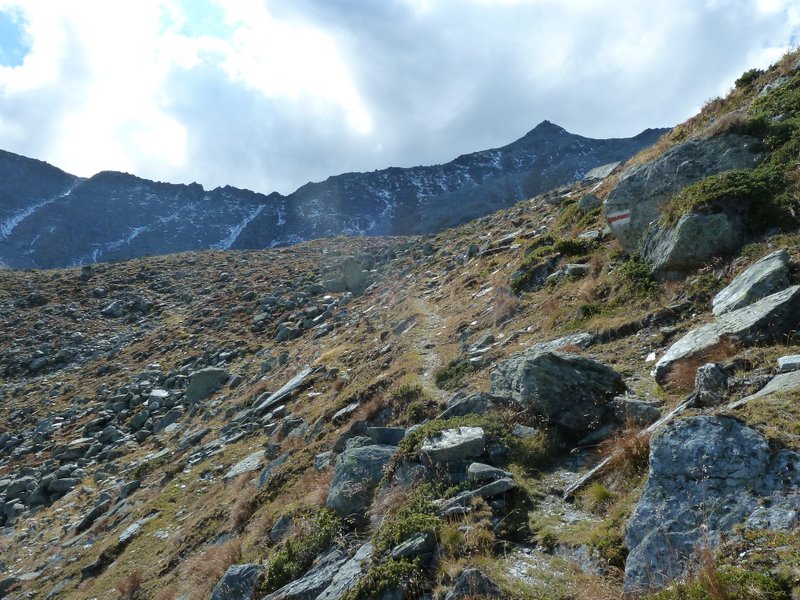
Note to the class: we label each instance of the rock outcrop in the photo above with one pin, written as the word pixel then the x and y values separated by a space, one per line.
pixel 707 475
pixel 643 188
pixel 767 320
pixel 766 276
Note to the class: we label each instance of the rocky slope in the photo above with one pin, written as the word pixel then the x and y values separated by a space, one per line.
pixel 512 408
pixel 51 219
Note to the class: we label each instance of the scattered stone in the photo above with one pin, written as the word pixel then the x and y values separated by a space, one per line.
pixel 246 465
pixel 419 544
pixel 204 382
pixel 637 412
pixel 710 384
pixel 789 363
pixel 481 472
pixel 238 583
pixel 454 444
pixel 473 583
pixel 780 384
pixel 766 276
pixel 348 574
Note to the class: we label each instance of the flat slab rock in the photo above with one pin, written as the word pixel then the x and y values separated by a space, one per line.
pixel 455 444
pixel 764 321
pixel 707 475
pixel 780 384
pixel 766 276
pixel 247 464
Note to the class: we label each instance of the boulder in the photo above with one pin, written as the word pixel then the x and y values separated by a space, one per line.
pixel 473 583
pixel 789 363
pixel 204 382
pixel 643 188
pixel 348 574
pixel 707 475
pixel 238 582
pixel 571 390
pixel 767 320
pixel 710 384
pixel 478 403
pixel 354 276
pixel 766 276
pixel 455 444
pixel 691 242
pixel 356 474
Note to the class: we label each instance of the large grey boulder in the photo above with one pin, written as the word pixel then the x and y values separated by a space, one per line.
pixel 766 276
pixel 204 382
pixel 454 444
pixel 691 242
pixel 643 188
pixel 767 320
pixel 356 474
pixel 569 389
pixel 238 582
pixel 707 475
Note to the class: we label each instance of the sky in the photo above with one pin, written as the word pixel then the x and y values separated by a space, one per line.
pixel 270 94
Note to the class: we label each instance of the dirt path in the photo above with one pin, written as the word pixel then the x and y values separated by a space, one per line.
pixel 424 337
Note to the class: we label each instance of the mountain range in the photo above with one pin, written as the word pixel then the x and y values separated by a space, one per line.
pixel 52 219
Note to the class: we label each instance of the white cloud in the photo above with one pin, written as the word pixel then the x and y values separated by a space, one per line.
pixel 268 94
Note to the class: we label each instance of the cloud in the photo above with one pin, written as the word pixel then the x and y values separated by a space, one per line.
pixel 269 94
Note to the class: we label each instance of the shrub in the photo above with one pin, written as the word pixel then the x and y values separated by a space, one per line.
pixel 391 575
pixel 296 555
pixel 748 77
pixel 416 515
pixel 635 280
pixel 451 376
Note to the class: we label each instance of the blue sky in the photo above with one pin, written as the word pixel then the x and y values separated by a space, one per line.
pixel 270 94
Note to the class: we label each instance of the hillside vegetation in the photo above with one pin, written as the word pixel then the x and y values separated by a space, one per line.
pixel 520 407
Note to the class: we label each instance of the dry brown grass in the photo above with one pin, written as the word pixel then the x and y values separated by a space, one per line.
pixel 311 488
pixel 628 451
pixel 682 375
pixel 204 570
pixel 169 592
pixel 592 587
pixel 731 121
pixel 128 587
pixel 505 304
pixel 244 506
pixel 386 502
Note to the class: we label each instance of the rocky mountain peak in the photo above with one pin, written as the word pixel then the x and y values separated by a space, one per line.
pixel 124 216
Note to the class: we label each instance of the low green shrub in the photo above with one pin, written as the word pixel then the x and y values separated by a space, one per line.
pixel 295 556
pixel 451 376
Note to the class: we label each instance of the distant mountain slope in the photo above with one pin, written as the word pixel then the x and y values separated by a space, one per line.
pixel 49 218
